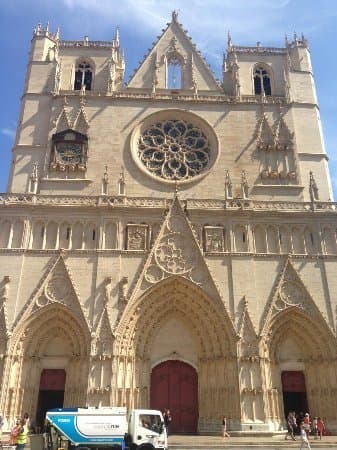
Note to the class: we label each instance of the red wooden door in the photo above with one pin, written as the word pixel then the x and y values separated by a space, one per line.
pixel 174 385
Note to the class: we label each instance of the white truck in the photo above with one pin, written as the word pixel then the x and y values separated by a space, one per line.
pixel 109 428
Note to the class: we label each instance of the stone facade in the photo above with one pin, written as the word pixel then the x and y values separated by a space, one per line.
pixel 175 218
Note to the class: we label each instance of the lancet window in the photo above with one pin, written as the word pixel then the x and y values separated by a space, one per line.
pixel 262 81
pixel 174 72
pixel 83 76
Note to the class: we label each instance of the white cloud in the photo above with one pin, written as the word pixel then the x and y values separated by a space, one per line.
pixel 9 132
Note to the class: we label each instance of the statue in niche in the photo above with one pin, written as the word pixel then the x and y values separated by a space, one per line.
pixel 123 289
pixel 214 240
pixel 93 344
pixel 107 289
pixel 136 238
pixel 244 185
pixel 5 289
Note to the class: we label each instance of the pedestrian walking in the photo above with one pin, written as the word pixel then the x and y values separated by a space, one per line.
pixel 167 419
pixel 307 423
pixel 290 426
pixel 21 439
pixel 15 431
pixel 224 427
pixel 320 427
pixel 304 438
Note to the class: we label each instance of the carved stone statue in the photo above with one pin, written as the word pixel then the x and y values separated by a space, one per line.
pixel 107 289
pixel 5 289
pixel 123 289
pixel 105 182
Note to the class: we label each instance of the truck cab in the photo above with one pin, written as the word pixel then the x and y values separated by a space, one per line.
pixel 146 429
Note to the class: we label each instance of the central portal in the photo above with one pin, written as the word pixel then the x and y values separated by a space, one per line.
pixel 174 385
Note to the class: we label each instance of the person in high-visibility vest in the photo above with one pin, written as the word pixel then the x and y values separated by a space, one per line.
pixel 21 439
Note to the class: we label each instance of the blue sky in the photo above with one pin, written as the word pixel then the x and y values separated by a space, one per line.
pixel 140 21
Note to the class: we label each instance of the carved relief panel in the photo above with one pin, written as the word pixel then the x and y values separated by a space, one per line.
pixel 136 237
pixel 214 241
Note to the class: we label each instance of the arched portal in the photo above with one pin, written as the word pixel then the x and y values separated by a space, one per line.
pixel 51 339
pixel 193 328
pixel 303 368
pixel 174 385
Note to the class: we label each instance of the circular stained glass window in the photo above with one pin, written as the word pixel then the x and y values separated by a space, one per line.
pixel 174 150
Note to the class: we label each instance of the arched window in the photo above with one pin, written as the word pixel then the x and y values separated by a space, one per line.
pixel 83 76
pixel 262 83
pixel 174 72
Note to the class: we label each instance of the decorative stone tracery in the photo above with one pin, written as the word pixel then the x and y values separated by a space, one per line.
pixel 174 150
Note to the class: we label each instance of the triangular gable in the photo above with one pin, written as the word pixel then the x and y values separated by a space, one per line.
pixel 174 42
pixel 103 334
pixel 247 333
pixel 289 292
pixel 283 136
pixel 265 135
pixel 176 252
pixel 55 286
pixel 62 121
pixel 81 123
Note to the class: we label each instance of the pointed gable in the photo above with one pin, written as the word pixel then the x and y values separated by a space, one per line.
pixel 176 252
pixel 104 334
pixel 55 286
pixel 81 122
pixel 174 47
pixel 265 135
pixel 247 333
pixel 284 138
pixel 289 292
pixel 62 121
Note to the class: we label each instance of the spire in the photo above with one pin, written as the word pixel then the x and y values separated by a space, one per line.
pixel 229 42
pixel 116 38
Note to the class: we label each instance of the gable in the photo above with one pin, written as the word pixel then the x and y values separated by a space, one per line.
pixel 55 287
pixel 289 293
pixel 174 46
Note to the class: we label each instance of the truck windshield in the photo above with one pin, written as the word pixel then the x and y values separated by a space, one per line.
pixel 150 421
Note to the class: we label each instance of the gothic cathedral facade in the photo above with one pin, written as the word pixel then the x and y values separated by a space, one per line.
pixel 169 241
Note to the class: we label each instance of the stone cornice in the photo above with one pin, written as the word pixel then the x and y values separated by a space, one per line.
pixel 117 202
pixel 184 96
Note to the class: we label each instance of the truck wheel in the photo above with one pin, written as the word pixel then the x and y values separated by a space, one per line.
pixel 146 447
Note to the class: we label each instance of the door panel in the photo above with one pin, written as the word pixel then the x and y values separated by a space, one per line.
pixel 174 385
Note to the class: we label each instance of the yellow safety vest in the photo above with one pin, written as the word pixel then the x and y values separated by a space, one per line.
pixel 22 437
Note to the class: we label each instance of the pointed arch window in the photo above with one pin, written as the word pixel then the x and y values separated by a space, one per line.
pixel 262 81
pixel 174 72
pixel 83 76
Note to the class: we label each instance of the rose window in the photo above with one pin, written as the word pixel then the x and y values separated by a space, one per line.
pixel 174 150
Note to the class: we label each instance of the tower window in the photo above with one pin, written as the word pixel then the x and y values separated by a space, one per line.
pixel 68 233
pixel 83 76
pixel 262 82
pixel 174 73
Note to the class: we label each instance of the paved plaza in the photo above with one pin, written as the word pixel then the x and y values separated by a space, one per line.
pixel 217 442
